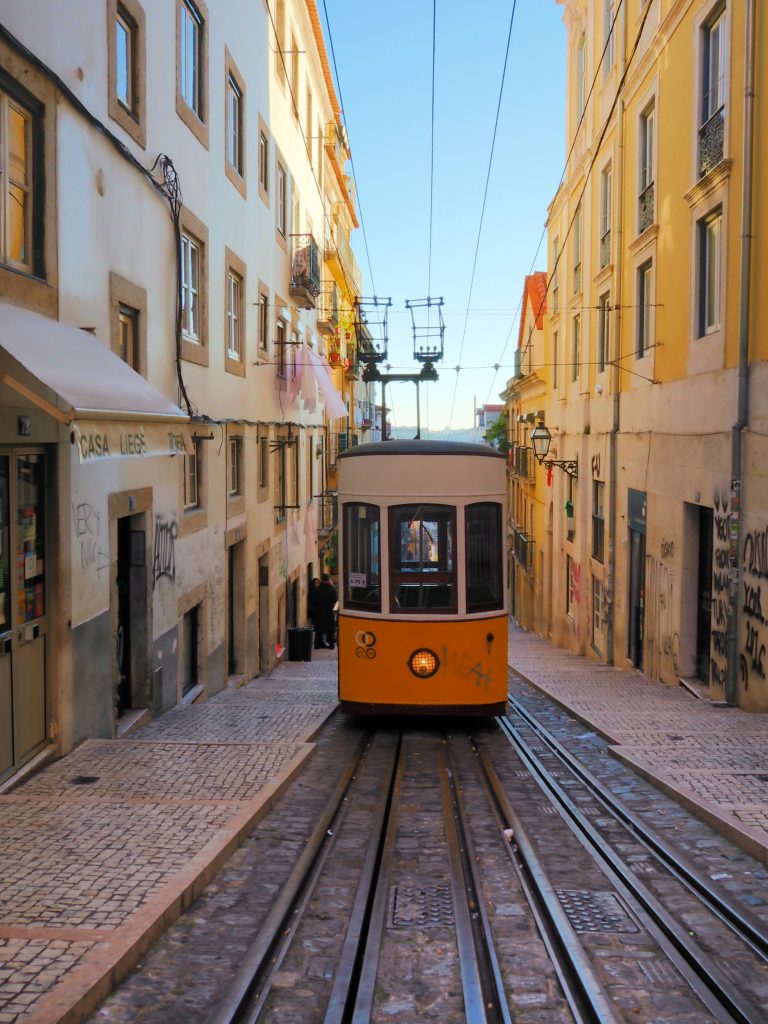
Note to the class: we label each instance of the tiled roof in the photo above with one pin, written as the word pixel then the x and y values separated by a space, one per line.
pixel 535 296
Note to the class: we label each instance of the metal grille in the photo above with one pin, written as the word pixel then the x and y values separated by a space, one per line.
pixel 605 250
pixel 422 906
pixel 595 911
pixel 646 208
pixel 711 142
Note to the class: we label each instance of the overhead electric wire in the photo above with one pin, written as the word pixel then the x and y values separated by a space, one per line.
pixel 485 198
pixel 432 149
pixel 595 155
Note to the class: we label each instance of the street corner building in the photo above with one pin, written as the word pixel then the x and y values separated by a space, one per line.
pixel 640 536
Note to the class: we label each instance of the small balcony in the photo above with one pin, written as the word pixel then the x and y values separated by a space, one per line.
pixel 328 309
pixel 712 142
pixel 341 260
pixel 305 271
pixel 646 208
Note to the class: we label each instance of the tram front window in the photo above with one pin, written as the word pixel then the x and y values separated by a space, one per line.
pixel 422 567
pixel 485 565
pixel 361 561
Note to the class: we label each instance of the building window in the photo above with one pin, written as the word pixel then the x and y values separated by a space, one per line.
pixel 281 353
pixel 575 347
pixel 555 275
pixel 295 76
pixel 263 461
pixel 191 465
pixel 125 58
pixel 581 76
pixel 235 467
pixel 264 161
pixel 555 357
pixel 17 208
pixel 603 331
pixel 645 188
pixel 281 499
pixel 709 238
pixel 191 57
pixel 190 288
pixel 577 244
pixel 310 150
pixel 234 315
pixel 598 520
pixel 234 125
pixel 128 335
pixel 606 203
pixel 609 36
pixel 280 39
pixel 281 199
pixel 713 88
pixel 644 308
pixel 263 321
pixel 320 141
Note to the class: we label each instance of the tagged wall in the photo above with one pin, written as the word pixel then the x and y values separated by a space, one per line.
pixel 89 524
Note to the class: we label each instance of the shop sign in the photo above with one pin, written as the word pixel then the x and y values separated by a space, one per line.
pixel 114 440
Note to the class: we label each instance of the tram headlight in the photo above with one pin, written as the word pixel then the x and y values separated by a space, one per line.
pixel 423 663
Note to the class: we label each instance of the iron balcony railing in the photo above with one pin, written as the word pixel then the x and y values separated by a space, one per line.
pixel 305 268
pixel 523 549
pixel 711 142
pixel 605 249
pixel 646 208
pixel 328 308
pixel 328 511
pixel 338 248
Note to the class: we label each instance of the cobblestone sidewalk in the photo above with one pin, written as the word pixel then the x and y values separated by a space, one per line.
pixel 714 760
pixel 103 850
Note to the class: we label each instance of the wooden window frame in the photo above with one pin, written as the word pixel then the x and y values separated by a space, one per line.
pixel 123 293
pixel 234 267
pixel 196 120
pixel 233 80
pixel 133 117
pixel 196 351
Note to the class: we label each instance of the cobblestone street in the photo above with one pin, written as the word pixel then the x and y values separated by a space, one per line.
pixel 105 848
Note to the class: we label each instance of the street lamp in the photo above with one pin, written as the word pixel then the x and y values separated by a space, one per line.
pixel 541 438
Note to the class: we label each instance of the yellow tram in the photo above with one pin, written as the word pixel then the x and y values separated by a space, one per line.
pixel 422 591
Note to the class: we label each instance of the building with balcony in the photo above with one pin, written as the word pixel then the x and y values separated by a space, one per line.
pixel 655 338
pixel 166 399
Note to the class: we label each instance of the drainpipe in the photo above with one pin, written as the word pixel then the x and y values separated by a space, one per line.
pixel 731 682
pixel 613 438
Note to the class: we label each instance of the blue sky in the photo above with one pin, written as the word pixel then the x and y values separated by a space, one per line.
pixel 384 58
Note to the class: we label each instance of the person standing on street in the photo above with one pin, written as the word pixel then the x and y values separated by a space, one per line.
pixel 325 602
pixel 312 609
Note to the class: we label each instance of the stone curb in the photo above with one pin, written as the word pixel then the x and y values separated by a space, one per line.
pixel 746 838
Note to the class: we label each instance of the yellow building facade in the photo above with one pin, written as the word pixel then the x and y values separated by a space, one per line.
pixel 655 345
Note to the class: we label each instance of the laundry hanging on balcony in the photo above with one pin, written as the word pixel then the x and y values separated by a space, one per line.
pixel 317 371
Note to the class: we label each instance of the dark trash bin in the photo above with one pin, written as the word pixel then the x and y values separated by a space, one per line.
pixel 301 640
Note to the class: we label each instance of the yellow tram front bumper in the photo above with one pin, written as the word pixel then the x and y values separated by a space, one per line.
pixel 464 669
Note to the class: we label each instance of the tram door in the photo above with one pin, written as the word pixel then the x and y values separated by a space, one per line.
pixel 23 619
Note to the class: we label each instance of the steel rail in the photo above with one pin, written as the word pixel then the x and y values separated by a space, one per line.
pixel 467 891
pixel 299 884
pixel 366 923
pixel 717 993
pixel 749 928
pixel 586 997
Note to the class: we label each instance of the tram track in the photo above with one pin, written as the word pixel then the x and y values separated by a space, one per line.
pixel 741 938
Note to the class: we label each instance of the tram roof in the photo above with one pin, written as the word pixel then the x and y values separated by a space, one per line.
pixel 421 448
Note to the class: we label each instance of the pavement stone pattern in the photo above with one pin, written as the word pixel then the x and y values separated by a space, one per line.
pixel 109 841
pixel 714 759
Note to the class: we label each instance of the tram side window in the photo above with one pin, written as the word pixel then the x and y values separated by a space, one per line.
pixel 361 565
pixel 422 566
pixel 485 567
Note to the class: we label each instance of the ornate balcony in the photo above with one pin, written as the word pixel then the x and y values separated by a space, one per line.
pixel 328 309
pixel 305 271
pixel 711 142
pixel 646 208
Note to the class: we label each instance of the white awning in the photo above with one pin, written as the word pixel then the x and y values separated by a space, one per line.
pixel 317 369
pixel 88 380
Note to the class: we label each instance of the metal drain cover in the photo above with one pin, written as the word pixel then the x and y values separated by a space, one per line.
pixel 422 906
pixel 595 911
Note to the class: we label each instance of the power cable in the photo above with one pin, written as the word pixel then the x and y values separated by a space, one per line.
pixel 485 197
pixel 432 149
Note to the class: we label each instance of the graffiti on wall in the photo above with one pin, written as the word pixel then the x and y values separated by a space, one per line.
pixel 720 561
pixel 87 530
pixel 753 661
pixel 164 556
pixel 663 641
